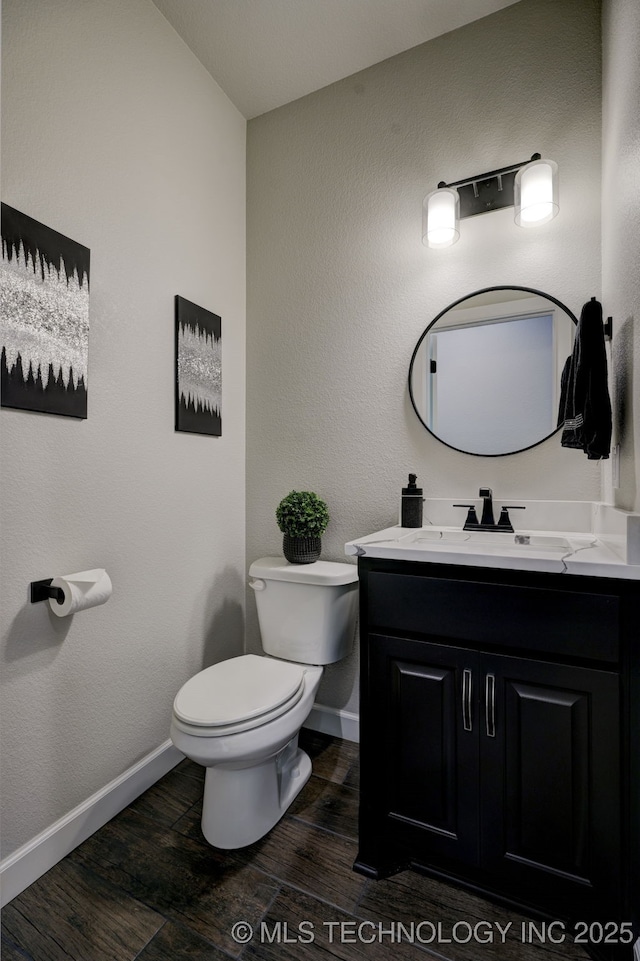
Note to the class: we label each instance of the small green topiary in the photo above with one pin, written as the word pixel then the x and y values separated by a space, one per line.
pixel 302 514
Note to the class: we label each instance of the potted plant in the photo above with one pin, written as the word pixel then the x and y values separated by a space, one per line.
pixel 302 517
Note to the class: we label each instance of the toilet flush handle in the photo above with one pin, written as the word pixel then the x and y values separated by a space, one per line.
pixel 258 584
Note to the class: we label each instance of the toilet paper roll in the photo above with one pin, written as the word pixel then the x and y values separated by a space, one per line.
pixel 81 591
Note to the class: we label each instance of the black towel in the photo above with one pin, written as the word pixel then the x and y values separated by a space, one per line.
pixel 585 407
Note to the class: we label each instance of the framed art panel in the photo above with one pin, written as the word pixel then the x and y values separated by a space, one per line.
pixel 198 369
pixel 44 318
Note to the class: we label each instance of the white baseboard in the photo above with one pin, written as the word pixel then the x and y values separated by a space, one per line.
pixel 33 859
pixel 332 720
pixel 37 856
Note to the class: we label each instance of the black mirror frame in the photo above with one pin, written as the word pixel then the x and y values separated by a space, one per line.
pixel 475 293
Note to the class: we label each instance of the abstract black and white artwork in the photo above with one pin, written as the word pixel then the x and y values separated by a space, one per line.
pixel 44 318
pixel 198 369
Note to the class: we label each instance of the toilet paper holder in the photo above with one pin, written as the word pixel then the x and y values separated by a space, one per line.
pixel 42 591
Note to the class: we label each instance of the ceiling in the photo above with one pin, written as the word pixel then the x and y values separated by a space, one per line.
pixel 265 53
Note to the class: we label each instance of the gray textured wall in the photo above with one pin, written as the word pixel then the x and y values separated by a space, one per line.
pixel 114 135
pixel 621 232
pixel 340 285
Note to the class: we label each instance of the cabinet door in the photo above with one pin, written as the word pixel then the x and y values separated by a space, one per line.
pixel 426 731
pixel 550 784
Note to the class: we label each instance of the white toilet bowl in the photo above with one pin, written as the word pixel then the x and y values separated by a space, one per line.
pixel 241 718
pixel 254 771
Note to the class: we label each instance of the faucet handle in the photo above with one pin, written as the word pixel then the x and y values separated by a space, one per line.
pixel 504 521
pixel 472 518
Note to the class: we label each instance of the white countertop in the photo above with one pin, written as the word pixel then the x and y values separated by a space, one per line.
pixel 603 542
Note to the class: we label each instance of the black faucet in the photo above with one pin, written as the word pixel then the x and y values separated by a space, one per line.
pixel 487 507
pixel 487 521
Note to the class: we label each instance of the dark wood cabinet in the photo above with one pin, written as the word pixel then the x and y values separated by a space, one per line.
pixel 495 738
pixel 550 785
pixel 428 751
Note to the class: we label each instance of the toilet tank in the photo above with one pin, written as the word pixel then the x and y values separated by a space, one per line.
pixel 307 612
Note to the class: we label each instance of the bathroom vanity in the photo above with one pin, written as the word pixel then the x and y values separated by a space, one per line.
pixel 500 716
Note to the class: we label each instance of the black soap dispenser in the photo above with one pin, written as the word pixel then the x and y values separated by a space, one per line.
pixel 411 510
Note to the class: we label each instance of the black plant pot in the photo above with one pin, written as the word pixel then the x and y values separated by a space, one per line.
pixel 301 550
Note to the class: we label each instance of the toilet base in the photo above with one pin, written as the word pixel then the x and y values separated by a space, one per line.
pixel 242 804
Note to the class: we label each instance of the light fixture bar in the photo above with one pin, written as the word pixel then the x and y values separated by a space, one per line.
pixel 492 173
pixel 489 191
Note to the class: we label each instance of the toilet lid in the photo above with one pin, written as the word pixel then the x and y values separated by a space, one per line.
pixel 239 689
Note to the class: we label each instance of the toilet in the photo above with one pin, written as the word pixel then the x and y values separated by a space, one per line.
pixel 241 718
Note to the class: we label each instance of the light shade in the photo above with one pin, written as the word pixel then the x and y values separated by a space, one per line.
pixel 536 193
pixel 440 217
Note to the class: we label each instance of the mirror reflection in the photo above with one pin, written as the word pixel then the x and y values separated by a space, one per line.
pixel 485 374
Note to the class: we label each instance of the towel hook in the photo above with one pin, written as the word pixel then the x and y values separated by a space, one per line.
pixel 607 326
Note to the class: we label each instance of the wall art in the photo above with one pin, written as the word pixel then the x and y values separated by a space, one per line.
pixel 44 318
pixel 198 369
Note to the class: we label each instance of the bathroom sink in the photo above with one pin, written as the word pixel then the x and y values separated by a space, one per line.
pixel 492 542
pixel 571 537
pixel 424 541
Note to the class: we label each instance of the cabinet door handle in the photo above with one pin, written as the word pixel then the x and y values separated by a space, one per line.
pixel 490 704
pixel 466 700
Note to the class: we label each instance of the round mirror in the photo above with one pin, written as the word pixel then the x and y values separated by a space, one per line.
pixel 485 374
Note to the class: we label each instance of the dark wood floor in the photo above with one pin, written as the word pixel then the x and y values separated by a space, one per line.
pixel 148 887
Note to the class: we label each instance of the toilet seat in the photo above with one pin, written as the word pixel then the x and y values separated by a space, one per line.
pixel 237 694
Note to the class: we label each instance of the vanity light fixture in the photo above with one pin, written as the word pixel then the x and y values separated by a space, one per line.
pixel 531 187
